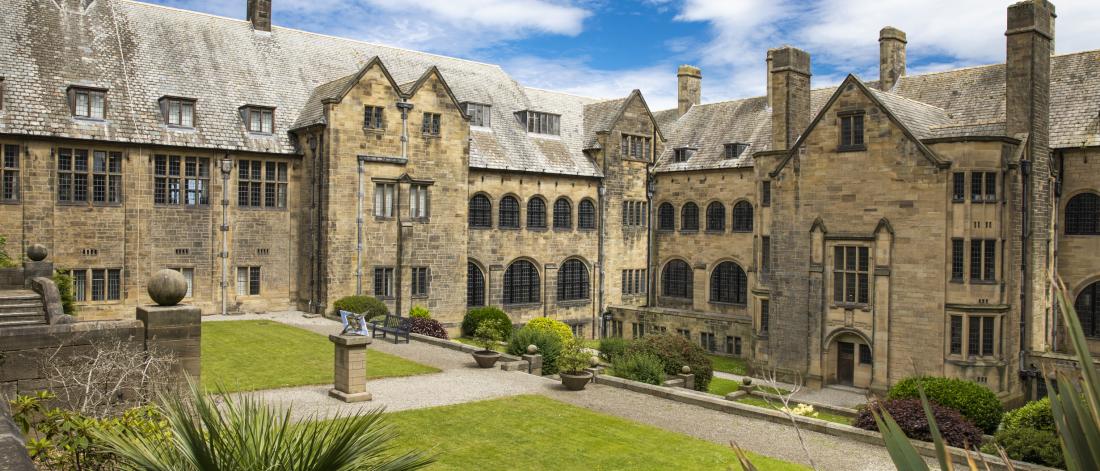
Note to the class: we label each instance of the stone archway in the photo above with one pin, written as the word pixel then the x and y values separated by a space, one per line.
pixel 848 360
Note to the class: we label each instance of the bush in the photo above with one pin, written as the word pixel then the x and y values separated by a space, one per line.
pixel 420 312
pixel 957 431
pixel 1035 415
pixel 573 358
pixel 639 366
pixel 487 336
pixel 64 284
pixel 476 315
pixel 613 347
pixel 1032 445
pixel 559 328
pixel 360 305
pixel 549 346
pixel 5 259
pixel 675 351
pixel 972 400
pixel 429 327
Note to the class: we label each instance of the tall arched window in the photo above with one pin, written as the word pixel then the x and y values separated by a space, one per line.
pixel 521 283
pixel 1088 310
pixel 728 284
pixel 536 213
pixel 676 280
pixel 666 217
pixel 586 214
pixel 563 214
pixel 481 211
pixel 573 281
pixel 475 285
pixel 716 217
pixel 509 212
pixel 742 217
pixel 1083 214
pixel 689 217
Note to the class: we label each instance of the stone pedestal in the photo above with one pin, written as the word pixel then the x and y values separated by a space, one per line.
pixel 535 362
pixel 595 370
pixel 36 269
pixel 176 330
pixel 350 368
pixel 689 380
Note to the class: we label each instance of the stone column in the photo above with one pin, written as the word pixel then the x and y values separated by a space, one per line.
pixel 176 330
pixel 534 362
pixel 350 368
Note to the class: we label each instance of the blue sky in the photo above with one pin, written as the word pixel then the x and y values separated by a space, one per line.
pixel 605 48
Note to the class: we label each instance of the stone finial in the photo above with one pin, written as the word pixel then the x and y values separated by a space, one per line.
pixel 167 287
pixel 686 370
pixel 532 349
pixel 594 361
pixel 37 252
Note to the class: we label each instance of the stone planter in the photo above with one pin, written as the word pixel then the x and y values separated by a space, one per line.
pixel 575 382
pixel 486 359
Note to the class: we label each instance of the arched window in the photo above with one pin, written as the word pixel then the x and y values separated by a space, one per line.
pixel 728 284
pixel 586 215
pixel 742 217
pixel 536 213
pixel 1083 214
pixel 676 280
pixel 716 217
pixel 689 217
pixel 1088 310
pixel 481 211
pixel 521 283
pixel 509 212
pixel 666 217
pixel 573 281
pixel 475 285
pixel 563 214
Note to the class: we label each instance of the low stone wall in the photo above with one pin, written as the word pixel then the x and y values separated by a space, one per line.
pixel 13 451
pixel 508 362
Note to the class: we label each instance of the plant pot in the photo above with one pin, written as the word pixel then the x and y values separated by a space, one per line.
pixel 486 359
pixel 575 382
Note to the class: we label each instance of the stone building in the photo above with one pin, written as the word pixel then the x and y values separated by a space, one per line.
pixel 852 234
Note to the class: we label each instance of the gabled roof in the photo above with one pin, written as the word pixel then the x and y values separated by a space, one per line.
pixel 411 90
pixel 708 128
pixel 600 117
pixel 313 112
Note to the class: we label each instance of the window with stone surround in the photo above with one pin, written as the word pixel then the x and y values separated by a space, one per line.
pixel 586 214
pixel 851 275
pixel 865 357
pixel 716 217
pixel 475 285
pixel 706 340
pixel 262 184
pixel 384 199
pixel 96 284
pixel 536 213
pixel 733 150
pixel 958 187
pixel 248 281
pixel 421 280
pixel 851 131
pixel 983 260
pixel 981 334
pixel 383 282
pixel 676 280
pixel 98 181
pixel 189 275
pixel 634 213
pixel 635 147
pixel 373 117
pixel 957 264
pixel 1083 215
pixel 682 154
pixel 689 217
pixel 521 283
pixel 666 217
pixel 742 217
pixel 729 284
pixel 258 119
pixel 418 201
pixel 573 284
pixel 9 173
pixel 765 320
pixel 1087 306
pixel 766 193
pixel 89 103
pixel 480 114
pixel 634 282
pixel 509 213
pixel 563 214
pixel 178 112
pixel 430 124
pixel 685 333
pixel 480 212
pixel 541 123
pixel 983 187
pixel 181 180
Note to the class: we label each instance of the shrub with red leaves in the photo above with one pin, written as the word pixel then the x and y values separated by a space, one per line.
pixel 957 431
pixel 429 327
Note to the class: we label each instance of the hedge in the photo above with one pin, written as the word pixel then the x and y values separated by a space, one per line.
pixel 639 366
pixel 675 351
pixel 559 328
pixel 613 347
pixel 475 316
pixel 360 305
pixel 549 345
pixel 972 400
pixel 909 414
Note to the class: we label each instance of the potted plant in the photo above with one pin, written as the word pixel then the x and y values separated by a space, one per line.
pixel 572 362
pixel 487 336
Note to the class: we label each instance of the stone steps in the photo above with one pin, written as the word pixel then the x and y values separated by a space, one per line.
pixel 21 307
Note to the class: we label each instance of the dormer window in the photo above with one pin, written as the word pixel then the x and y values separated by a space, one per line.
pixel 178 112
pixel 734 150
pixel 682 154
pixel 479 114
pixel 851 131
pixel 542 123
pixel 258 119
pixel 88 103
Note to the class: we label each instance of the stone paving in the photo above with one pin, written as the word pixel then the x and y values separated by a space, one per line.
pixel 461 381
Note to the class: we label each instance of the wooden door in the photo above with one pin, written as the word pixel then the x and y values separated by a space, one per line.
pixel 845 362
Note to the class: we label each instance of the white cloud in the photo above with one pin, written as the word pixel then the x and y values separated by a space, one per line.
pixel 657 82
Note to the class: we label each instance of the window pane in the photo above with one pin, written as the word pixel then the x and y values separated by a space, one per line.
pixel 987 336
pixel 242 281
pixel 187 115
pixel 956 335
pixel 974 336
pixel 97 107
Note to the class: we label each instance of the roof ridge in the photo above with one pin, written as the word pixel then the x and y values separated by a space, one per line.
pixel 910 100
pixel 597 100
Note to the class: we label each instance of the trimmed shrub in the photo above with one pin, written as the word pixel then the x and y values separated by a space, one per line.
pixel 613 347
pixel 549 346
pixel 675 351
pixel 429 327
pixel 573 358
pixel 360 305
pixel 972 400
pixel 559 328
pixel 420 312
pixel 476 315
pixel 639 366
pixel 1032 445
pixel 957 431
pixel 64 283
pixel 1035 415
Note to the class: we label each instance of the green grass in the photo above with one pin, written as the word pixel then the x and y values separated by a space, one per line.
pixel 535 432
pixel 776 405
pixel 253 355
pixel 729 365
pixel 722 386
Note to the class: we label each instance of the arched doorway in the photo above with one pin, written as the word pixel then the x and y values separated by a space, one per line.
pixel 1088 310
pixel 849 360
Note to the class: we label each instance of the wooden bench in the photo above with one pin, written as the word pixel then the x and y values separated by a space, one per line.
pixel 391 324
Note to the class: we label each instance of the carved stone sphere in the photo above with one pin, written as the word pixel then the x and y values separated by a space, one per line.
pixel 686 369
pixel 37 252
pixel 532 349
pixel 594 361
pixel 167 287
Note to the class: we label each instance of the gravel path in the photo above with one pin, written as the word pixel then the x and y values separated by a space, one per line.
pixel 837 396
pixel 460 381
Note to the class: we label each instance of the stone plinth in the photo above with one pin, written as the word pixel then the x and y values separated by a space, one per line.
pixel 535 364
pixel 176 330
pixel 689 380
pixel 350 368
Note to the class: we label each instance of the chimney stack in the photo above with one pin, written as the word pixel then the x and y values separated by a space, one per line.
pixel 789 89
pixel 259 14
pixel 689 88
pixel 891 62
pixel 768 70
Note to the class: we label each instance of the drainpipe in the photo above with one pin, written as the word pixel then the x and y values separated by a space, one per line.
pixel 405 107
pixel 315 217
pixel 359 229
pixel 226 168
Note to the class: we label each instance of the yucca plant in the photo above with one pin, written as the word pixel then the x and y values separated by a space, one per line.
pixel 216 433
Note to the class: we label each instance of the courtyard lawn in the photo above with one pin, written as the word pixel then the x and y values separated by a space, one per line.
pixel 736 366
pixel 722 386
pixel 775 404
pixel 535 432
pixel 253 355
